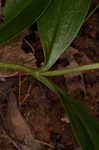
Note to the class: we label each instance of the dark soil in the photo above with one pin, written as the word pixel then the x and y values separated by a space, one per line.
pixel 41 109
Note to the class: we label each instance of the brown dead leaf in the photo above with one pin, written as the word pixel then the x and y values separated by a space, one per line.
pixel 17 128
pixel 6 87
pixel 13 53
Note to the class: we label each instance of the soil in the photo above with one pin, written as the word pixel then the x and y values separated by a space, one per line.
pixel 40 108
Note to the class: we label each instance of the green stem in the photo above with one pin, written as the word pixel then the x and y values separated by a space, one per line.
pixel 92 12
pixel 48 83
pixel 70 70
pixel 29 70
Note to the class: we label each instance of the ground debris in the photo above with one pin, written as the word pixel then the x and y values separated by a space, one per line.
pixel 75 59
pixel 17 128
pixel 12 52
pixel 41 109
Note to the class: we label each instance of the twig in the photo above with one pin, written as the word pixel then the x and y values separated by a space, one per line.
pixel 19 97
pixel 47 144
pixel 27 94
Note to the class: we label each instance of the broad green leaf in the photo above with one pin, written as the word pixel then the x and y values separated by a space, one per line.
pixel 13 8
pixel 59 26
pixel 18 15
pixel 84 125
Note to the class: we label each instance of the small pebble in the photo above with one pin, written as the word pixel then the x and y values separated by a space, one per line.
pixel 65 119
pixel 78 148
pixel 2 79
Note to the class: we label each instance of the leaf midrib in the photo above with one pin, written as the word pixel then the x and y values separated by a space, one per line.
pixel 54 34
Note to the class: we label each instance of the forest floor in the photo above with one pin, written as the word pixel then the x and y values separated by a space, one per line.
pixel 39 112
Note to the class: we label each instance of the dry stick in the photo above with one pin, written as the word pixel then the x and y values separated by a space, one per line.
pixel 30 45
pixel 20 84
pixel 47 144
pixel 27 94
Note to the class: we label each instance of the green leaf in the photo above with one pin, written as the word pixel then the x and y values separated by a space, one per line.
pixel 84 125
pixel 13 8
pixel 59 26
pixel 18 14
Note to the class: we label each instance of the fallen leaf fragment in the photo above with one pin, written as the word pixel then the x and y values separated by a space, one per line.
pixel 17 128
pixel 12 52
pixel 75 81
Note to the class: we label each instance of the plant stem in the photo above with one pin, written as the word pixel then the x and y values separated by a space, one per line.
pixel 26 69
pixel 70 70
pixel 91 13
pixel 35 73
pixel 48 83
